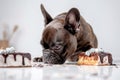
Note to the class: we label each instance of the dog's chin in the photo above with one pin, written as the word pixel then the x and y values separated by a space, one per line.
pixel 50 57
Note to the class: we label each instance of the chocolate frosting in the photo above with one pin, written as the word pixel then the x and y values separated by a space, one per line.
pixel 24 55
pixel 103 54
pixel 5 57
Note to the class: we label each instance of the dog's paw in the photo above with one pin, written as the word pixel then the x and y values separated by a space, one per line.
pixel 38 59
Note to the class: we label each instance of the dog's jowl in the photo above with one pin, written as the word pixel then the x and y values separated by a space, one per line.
pixel 65 36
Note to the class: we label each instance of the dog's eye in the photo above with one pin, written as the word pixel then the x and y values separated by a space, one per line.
pixel 53 44
pixel 70 28
pixel 46 46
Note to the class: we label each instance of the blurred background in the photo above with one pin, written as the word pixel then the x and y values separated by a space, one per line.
pixel 22 24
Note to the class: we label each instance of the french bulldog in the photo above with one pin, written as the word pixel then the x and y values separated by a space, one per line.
pixel 65 36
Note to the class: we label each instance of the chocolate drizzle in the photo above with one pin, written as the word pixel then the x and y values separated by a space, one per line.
pixel 23 60
pixel 24 55
pixel 103 54
pixel 5 57
pixel 14 56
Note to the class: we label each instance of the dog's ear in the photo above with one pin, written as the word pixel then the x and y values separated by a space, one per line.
pixel 72 21
pixel 46 15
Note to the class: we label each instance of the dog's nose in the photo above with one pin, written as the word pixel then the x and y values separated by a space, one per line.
pixel 57 47
pixel 50 57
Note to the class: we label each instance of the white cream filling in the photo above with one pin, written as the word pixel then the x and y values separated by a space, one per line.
pixel 2 51
pixel 10 50
pixel 7 50
pixel 11 61
pixel 27 62
pixel 97 50
pixel 1 60
pixel 105 60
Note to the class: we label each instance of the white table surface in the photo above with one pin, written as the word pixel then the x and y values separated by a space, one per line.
pixel 61 72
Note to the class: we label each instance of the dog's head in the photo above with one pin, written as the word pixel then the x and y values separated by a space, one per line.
pixel 58 39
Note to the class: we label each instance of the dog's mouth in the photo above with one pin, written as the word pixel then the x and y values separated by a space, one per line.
pixel 58 48
pixel 50 57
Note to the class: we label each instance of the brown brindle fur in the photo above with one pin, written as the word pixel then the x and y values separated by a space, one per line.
pixel 73 42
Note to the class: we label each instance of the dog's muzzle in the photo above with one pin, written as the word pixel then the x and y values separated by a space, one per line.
pixel 51 57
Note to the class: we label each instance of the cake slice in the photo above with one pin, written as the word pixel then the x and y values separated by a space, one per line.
pixel 14 59
pixel 95 58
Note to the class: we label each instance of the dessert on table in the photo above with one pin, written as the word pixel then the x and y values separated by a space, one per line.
pixel 95 56
pixel 10 58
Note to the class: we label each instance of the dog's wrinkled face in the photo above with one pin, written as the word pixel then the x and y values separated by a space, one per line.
pixel 58 38
pixel 55 43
